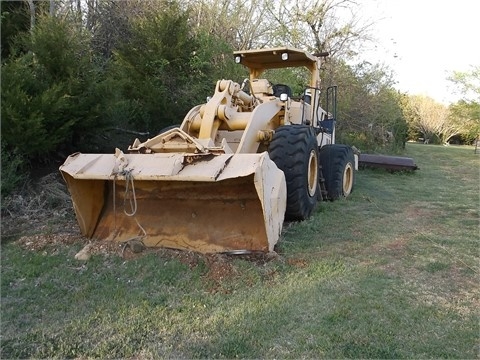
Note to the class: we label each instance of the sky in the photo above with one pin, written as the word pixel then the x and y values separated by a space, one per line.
pixel 424 41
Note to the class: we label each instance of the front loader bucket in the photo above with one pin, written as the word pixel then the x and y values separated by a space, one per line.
pixel 219 203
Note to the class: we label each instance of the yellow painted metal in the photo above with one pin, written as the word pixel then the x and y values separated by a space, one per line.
pixel 226 203
pixel 208 185
pixel 260 60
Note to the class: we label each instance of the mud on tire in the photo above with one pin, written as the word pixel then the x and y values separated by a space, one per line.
pixel 338 167
pixel 294 150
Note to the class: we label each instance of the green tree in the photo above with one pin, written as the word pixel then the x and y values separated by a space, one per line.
pixel 153 67
pixel 466 111
pixel 370 116
pixel 467 83
pixel 467 115
pixel 165 68
pixel 51 95
pixel 15 20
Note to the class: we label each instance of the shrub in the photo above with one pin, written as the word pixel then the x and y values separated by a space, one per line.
pixel 12 175
pixel 51 95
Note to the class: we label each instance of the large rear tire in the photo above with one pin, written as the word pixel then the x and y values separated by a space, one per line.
pixel 294 150
pixel 338 168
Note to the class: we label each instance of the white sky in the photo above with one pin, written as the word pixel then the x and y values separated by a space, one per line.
pixel 424 41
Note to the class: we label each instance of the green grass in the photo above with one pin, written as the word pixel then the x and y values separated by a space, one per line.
pixel 390 272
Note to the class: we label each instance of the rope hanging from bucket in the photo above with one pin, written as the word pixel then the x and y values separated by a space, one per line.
pixel 129 189
pixel 133 199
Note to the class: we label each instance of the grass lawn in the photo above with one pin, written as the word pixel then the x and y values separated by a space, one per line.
pixel 390 272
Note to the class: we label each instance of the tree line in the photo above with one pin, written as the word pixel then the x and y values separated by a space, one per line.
pixel 88 75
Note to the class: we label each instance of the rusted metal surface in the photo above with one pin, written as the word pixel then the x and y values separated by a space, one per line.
pixel 391 163
pixel 230 202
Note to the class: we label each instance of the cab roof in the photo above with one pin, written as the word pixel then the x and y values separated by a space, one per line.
pixel 272 58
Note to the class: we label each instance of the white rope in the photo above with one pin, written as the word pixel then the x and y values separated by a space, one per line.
pixel 133 200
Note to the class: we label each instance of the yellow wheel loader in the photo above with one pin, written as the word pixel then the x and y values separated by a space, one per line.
pixel 228 176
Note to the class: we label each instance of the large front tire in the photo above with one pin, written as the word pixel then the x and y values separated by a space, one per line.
pixel 294 150
pixel 338 167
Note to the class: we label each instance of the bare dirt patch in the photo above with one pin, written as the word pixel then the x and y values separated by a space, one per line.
pixel 297 262
pixel 190 258
pixel 41 242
